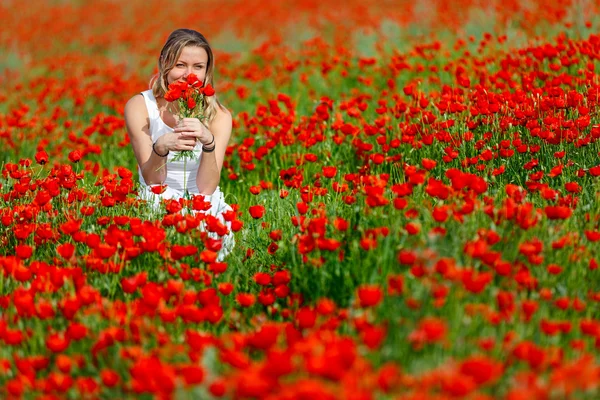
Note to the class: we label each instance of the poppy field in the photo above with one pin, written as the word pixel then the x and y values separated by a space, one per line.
pixel 415 204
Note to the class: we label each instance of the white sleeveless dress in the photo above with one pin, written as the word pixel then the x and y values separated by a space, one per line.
pixel 181 176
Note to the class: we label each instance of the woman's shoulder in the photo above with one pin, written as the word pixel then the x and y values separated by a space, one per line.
pixel 135 104
pixel 222 121
pixel 222 113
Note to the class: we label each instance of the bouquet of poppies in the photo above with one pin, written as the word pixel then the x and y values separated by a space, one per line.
pixel 190 96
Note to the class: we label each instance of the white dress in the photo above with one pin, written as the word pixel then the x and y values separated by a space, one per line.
pixel 181 176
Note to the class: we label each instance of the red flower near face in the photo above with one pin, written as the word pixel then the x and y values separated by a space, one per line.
pixel 191 102
pixel 172 95
pixel 192 80
pixel 209 90
pixel 257 211
pixel 175 91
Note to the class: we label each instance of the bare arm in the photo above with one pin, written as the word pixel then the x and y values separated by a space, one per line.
pixel 152 166
pixel 209 171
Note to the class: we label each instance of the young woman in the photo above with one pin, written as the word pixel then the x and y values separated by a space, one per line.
pixel 156 134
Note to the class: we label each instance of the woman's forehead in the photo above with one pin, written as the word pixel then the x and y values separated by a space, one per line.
pixel 193 54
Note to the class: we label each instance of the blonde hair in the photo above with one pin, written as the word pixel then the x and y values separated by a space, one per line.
pixel 169 55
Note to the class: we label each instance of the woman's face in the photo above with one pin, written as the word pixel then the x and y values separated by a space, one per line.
pixel 193 60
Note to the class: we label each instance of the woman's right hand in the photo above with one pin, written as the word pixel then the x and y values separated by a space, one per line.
pixel 174 141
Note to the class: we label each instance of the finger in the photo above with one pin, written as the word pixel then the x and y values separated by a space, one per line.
pixel 184 147
pixel 191 138
pixel 183 129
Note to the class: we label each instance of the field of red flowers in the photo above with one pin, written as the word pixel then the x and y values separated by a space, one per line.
pixel 415 190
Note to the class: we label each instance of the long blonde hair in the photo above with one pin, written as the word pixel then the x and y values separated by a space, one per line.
pixel 169 55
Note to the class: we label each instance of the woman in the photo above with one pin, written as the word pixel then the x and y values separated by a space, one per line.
pixel 156 134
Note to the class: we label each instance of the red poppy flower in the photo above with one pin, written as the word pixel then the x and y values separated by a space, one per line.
pixel 57 343
pixel 191 102
pixel 245 299
pixel 192 80
pixel 262 278
pixel 41 157
pixel 109 377
pixel 208 90
pixel 369 295
pixel 558 212
pixel 306 318
pixel 257 211
pixel 192 374
pixel 266 297
pixel 225 288
pixel 23 251
pixel 218 388
pixel 158 189
pixel 65 250
pixel 75 156
pixel 329 172
pixel 592 236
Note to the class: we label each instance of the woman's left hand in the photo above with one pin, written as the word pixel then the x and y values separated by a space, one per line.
pixel 193 127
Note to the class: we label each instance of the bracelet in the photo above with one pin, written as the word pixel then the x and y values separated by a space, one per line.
pixel 210 149
pixel 158 154
pixel 204 150
pixel 208 144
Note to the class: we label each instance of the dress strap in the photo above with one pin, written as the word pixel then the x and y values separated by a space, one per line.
pixel 151 105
